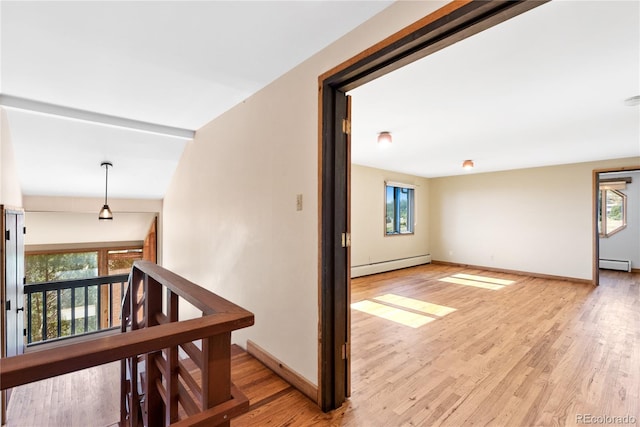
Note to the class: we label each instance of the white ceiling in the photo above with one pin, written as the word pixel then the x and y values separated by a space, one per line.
pixel 547 87
pixel 174 63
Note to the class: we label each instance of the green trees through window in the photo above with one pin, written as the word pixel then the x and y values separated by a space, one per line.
pixel 613 211
pixel 399 210
pixel 71 305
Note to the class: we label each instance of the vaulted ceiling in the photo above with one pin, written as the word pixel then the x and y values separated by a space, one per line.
pixel 172 63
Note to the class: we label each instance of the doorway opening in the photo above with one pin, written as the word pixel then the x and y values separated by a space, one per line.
pixel 616 219
pixel 452 23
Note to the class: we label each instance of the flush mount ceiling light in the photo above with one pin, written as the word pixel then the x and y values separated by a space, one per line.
pixel 467 165
pixel 384 139
pixel 105 212
pixel 633 101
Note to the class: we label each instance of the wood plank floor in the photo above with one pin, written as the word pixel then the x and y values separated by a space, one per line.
pixel 517 351
pixel 90 397
pixel 444 346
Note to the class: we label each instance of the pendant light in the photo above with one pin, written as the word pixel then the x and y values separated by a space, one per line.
pixel 105 212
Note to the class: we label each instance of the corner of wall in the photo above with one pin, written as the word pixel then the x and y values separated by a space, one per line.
pixel 10 190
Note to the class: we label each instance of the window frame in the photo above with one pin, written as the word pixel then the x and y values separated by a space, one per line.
pixel 602 220
pixel 411 209
pixel 102 251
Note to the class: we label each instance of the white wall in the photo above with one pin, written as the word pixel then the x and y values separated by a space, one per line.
pixel 231 223
pixel 10 191
pixel 369 245
pixel 625 244
pixel 535 220
pixel 63 228
pixel 64 220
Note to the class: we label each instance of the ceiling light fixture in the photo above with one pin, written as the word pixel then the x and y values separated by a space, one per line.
pixel 467 165
pixel 105 212
pixel 384 138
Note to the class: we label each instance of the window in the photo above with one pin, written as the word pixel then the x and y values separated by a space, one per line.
pixel 79 264
pixel 65 310
pixel 613 210
pixel 399 209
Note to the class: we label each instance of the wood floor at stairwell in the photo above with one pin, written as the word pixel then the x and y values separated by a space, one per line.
pixel 437 345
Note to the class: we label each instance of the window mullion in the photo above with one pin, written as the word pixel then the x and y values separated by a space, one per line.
pixel 396 213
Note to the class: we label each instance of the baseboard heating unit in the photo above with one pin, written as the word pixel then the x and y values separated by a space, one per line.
pixel 381 267
pixel 615 264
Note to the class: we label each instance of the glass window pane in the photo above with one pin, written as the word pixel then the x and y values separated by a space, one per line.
pixel 614 211
pixel 403 209
pixel 121 261
pixel 52 315
pixel 65 266
pixel 79 311
pixel 399 210
pixel 390 217
pixel 65 312
pixel 36 316
pixel 92 309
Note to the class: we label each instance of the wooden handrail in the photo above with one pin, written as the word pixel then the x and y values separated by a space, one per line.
pixel 202 299
pixel 26 368
pixel 151 335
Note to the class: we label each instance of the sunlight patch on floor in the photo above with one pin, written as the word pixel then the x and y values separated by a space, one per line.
pixel 503 282
pixel 416 304
pixel 397 315
pixel 473 283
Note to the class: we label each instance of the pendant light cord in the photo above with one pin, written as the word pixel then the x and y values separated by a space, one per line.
pixel 106 182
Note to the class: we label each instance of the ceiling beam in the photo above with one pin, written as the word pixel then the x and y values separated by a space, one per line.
pixel 30 105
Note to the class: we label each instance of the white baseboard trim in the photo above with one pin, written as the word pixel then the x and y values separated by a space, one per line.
pixel 381 267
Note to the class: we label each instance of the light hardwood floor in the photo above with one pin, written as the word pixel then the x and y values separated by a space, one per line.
pixel 90 397
pixel 535 352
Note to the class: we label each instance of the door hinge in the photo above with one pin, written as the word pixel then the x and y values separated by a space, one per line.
pixel 24 280
pixel 346 126
pixel 346 240
pixel 7 235
pixel 24 332
pixel 345 350
pixel 24 230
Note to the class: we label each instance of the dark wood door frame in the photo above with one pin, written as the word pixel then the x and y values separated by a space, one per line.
pixel 454 22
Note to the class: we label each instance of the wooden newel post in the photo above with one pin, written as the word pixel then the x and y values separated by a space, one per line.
pixel 216 371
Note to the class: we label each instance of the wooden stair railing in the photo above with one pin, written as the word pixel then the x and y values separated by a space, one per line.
pixel 157 388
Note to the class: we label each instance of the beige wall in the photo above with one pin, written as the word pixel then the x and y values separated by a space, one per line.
pixel 369 244
pixel 10 191
pixel 534 220
pixel 231 223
